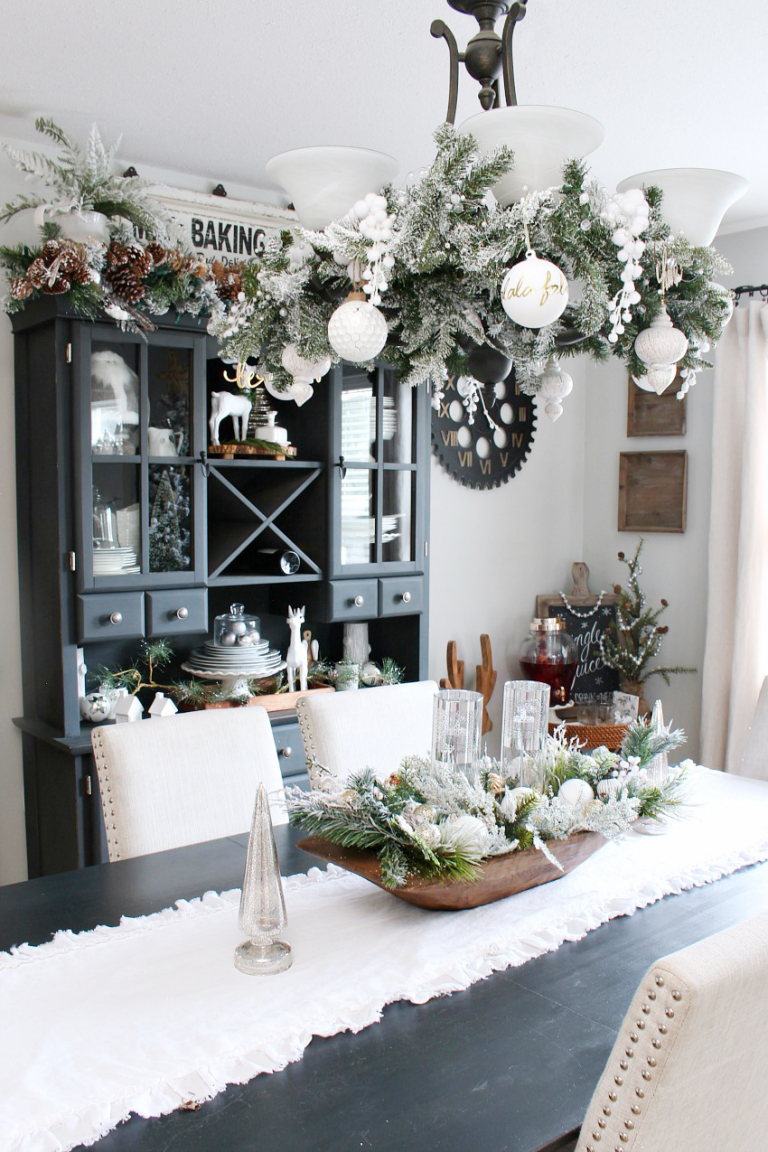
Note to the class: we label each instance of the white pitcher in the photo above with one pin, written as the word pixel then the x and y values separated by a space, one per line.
pixel 164 442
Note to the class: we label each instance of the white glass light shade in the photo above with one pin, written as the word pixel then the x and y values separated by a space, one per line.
pixel 542 138
pixel 534 292
pixel 661 343
pixel 695 199
pixel 357 331
pixel 324 183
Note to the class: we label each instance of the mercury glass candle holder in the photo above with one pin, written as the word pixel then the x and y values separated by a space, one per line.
pixel 262 904
pixel 524 718
pixel 457 725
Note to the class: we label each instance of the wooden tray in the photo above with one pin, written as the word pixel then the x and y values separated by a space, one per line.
pixel 229 451
pixel 277 702
pixel 501 876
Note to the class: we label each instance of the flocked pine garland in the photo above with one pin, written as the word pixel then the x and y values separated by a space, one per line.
pixel 437 275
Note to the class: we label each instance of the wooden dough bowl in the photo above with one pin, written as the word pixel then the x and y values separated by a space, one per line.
pixel 500 876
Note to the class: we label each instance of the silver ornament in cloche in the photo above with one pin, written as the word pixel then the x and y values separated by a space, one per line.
pixel 661 346
pixel 555 385
pixel 357 330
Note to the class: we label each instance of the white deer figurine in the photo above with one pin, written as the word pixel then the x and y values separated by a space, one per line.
pixel 225 404
pixel 296 657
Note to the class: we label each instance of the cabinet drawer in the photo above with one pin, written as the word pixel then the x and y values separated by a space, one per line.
pixel 174 610
pixel 290 749
pixel 110 615
pixel 353 599
pixel 401 595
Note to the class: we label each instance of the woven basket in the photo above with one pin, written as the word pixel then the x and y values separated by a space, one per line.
pixel 595 735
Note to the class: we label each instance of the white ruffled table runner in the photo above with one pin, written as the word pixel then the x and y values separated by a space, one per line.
pixel 143 1017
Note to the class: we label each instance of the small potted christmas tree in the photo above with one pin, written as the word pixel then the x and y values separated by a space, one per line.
pixel 634 640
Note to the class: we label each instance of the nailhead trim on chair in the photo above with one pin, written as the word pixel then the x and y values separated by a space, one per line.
pixel 105 790
pixel 650 1048
pixel 310 748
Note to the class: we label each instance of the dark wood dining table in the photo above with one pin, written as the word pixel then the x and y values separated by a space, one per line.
pixel 508 1065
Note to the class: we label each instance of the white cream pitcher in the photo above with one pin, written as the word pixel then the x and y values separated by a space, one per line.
pixel 164 442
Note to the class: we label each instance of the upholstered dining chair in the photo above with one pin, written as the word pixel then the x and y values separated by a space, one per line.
pixel 169 782
pixel 687 1072
pixel 754 761
pixel 346 732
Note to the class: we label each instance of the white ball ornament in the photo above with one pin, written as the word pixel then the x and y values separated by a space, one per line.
pixel 357 330
pixel 534 292
pixel 575 792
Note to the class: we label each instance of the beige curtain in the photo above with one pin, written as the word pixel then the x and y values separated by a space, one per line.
pixel 736 653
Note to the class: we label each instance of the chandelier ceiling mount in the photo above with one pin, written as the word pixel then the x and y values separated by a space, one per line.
pixel 487 56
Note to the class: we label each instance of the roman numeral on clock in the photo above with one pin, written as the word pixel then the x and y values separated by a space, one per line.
pixel 466 458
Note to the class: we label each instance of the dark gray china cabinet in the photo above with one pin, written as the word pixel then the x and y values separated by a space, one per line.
pixel 129 528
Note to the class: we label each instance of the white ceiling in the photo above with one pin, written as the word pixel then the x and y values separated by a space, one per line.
pixel 214 90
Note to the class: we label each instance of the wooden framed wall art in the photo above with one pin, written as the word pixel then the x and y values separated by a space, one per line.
pixel 653 490
pixel 652 415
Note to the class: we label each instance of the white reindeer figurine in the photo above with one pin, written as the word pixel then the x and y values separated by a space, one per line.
pixel 225 404
pixel 296 657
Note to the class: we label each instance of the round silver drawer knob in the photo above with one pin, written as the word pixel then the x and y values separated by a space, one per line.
pixel 406 597
pixel 116 618
pixel 182 613
pixel 358 601
pixel 286 752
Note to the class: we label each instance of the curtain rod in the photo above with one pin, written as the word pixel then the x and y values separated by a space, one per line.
pixel 751 290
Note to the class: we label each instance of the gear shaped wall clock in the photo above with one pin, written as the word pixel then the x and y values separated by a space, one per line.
pixel 482 433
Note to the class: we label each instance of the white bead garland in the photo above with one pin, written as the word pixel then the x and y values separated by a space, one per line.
pixel 583 615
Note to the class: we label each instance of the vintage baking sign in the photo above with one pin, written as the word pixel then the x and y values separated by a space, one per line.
pixel 219 228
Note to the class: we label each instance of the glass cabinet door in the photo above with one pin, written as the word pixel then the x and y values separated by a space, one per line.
pixel 138 481
pixel 376 478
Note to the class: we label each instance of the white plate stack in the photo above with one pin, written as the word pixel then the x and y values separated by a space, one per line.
pixel 252 660
pixel 114 561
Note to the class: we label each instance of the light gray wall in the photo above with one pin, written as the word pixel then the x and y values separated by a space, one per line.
pixel 494 551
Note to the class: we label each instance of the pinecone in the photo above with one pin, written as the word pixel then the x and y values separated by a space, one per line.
pixel 126 286
pixel 228 280
pixel 60 264
pixel 158 253
pixel 20 288
pixel 127 265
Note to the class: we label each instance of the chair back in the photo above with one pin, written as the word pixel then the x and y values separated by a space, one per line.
pixel 184 779
pixel 375 728
pixel 754 762
pixel 688 1068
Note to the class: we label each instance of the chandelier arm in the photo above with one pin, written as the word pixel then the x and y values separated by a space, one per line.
pixel 515 14
pixel 440 29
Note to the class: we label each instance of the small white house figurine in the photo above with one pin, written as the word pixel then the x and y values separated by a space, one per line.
pixel 161 706
pixel 128 709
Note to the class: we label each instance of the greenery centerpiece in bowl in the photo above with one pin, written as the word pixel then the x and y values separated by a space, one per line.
pixel 442 837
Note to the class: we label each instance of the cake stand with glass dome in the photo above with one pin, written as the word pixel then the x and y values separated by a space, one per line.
pixel 236 654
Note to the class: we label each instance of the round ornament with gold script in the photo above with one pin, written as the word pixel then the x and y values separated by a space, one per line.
pixel 534 292
pixel 487 451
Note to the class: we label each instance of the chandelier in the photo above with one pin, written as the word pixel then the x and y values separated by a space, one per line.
pixel 505 253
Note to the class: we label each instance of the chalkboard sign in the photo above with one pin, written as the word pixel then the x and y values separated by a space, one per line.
pixel 586 618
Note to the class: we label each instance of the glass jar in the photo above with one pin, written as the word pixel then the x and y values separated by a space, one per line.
pixel 548 655
pixel 236 629
pixel 104 523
